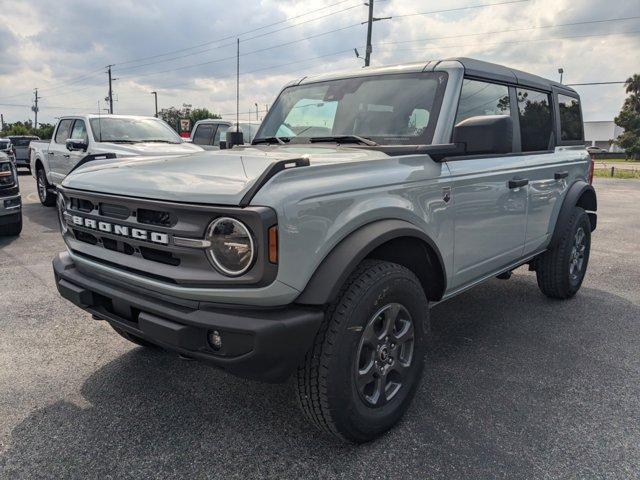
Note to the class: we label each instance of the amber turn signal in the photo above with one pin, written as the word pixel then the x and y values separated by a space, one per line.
pixel 273 244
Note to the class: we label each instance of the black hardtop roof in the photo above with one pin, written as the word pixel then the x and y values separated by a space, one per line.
pixel 500 73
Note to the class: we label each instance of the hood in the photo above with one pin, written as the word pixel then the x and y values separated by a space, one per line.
pixel 219 177
pixel 149 148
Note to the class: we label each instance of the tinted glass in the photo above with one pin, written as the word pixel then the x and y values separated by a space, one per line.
pixel 22 141
pixel 221 134
pixel 570 118
pixel 481 98
pixel 4 144
pixel 62 134
pixel 132 130
pixel 79 131
pixel 536 126
pixel 390 109
pixel 204 134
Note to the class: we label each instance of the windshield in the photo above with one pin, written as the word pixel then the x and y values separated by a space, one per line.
pixel 4 144
pixel 399 109
pixel 132 130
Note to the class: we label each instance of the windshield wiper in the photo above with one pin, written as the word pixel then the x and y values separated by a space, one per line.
pixel 118 141
pixel 274 139
pixel 344 139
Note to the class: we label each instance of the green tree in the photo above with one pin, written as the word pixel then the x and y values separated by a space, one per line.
pixel 172 115
pixel 629 119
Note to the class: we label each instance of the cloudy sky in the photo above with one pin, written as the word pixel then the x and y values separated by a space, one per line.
pixel 186 50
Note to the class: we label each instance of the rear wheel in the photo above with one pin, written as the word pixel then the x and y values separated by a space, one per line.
pixel 359 377
pixel 561 270
pixel 47 197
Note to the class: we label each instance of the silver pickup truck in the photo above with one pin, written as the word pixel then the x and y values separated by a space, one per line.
pixel 107 136
pixel 317 250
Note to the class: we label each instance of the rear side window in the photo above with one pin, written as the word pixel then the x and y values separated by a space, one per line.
pixel 482 98
pixel 536 126
pixel 570 118
pixel 64 128
pixel 204 134
pixel 221 134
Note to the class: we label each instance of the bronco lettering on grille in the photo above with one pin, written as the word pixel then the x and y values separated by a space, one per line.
pixel 121 230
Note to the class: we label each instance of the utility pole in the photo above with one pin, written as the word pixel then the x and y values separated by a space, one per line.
pixel 35 108
pixel 257 115
pixel 155 94
pixel 367 55
pixel 561 72
pixel 110 89
pixel 1 121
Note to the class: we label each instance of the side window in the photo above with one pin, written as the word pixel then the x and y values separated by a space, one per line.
pixel 204 134
pixel 64 128
pixel 79 131
pixel 481 98
pixel 221 134
pixel 570 118
pixel 536 126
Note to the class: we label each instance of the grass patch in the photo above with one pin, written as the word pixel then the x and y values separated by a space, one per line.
pixel 616 160
pixel 618 173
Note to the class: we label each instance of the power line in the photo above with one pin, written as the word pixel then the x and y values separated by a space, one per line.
pixel 594 83
pixel 459 8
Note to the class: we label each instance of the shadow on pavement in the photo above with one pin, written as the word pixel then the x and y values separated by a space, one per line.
pixel 515 386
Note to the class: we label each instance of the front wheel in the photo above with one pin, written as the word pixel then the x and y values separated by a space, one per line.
pixel 362 372
pixel 47 198
pixel 561 269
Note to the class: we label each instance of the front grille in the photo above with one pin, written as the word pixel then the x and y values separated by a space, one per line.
pixel 137 236
pixel 9 192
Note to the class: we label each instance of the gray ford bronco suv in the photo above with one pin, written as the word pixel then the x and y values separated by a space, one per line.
pixel 316 251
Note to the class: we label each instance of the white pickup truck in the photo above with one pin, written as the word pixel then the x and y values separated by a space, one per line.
pixel 77 136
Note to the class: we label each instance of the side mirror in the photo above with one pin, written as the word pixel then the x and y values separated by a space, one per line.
pixel 76 145
pixel 485 134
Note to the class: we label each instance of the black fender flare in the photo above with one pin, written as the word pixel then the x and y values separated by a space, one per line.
pixel 579 194
pixel 335 268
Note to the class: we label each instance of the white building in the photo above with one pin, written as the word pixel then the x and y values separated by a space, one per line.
pixel 600 134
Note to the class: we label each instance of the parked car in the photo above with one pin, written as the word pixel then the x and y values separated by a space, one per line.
pixel 107 136
pixel 21 149
pixel 597 150
pixel 6 147
pixel 317 253
pixel 209 133
pixel 10 201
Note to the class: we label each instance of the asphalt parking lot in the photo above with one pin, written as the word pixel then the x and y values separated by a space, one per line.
pixel 517 386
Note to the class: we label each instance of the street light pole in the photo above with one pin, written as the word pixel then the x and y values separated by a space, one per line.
pixel 561 72
pixel 155 94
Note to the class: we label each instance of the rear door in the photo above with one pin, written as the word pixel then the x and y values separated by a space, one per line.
pixel 551 170
pixel 489 193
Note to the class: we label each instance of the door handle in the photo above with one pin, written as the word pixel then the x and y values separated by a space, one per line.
pixel 49 153
pixel 518 182
pixel 66 155
pixel 561 175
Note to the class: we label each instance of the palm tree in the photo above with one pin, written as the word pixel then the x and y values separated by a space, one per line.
pixel 633 84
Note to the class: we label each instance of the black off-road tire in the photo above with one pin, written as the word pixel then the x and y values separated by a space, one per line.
pixel 553 268
pixel 12 229
pixel 45 194
pixel 325 382
pixel 135 339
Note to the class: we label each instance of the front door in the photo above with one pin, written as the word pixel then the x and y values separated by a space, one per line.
pixel 489 195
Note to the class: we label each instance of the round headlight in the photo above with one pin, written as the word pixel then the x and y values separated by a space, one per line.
pixel 232 250
pixel 62 210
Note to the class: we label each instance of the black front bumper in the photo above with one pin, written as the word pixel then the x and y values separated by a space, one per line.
pixel 265 344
